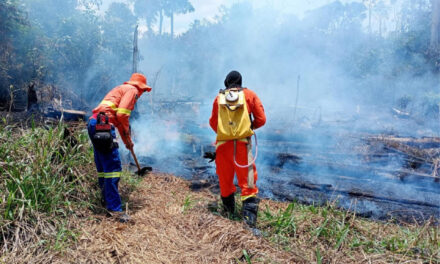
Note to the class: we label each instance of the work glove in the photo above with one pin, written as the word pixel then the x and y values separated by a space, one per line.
pixel 209 155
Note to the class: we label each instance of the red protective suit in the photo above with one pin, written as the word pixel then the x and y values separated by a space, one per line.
pixel 225 166
pixel 119 103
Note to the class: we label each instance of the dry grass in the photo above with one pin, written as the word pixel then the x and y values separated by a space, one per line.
pixel 171 224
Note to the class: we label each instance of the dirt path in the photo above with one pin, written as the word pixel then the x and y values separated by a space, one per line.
pixel 171 224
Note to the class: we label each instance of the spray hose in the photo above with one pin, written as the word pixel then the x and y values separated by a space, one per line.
pixel 256 153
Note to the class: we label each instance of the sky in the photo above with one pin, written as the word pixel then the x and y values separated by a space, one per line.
pixel 209 9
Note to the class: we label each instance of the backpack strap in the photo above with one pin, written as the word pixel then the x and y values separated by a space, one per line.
pixel 238 89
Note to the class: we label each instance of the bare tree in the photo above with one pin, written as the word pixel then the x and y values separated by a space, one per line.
pixel 435 24
pixel 172 7
pixel 370 5
pixel 135 50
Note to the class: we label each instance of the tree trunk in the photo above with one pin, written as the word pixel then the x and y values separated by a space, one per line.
pixel 369 18
pixel 380 27
pixel 172 24
pixel 149 27
pixel 160 21
pixel 435 24
pixel 135 50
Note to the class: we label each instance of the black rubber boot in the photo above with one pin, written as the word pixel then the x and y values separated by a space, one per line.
pixel 250 210
pixel 229 204
pixel 119 216
pixel 124 218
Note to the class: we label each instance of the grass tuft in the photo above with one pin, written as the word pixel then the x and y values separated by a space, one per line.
pixel 336 232
pixel 46 176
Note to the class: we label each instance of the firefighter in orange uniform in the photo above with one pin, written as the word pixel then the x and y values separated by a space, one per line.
pixel 231 119
pixel 114 111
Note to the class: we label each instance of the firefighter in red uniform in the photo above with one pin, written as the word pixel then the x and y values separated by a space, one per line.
pixel 114 111
pixel 231 119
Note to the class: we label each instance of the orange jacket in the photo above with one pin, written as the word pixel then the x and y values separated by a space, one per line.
pixel 117 105
pixel 254 106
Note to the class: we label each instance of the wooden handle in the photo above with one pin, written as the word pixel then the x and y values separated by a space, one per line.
pixel 135 159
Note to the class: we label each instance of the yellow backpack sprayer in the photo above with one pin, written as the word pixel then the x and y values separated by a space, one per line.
pixel 234 122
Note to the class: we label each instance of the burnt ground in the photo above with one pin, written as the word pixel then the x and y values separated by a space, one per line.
pixel 346 169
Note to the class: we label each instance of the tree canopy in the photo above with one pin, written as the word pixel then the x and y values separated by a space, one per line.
pixel 358 47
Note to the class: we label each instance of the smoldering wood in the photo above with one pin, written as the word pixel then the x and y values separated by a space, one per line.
pixel 357 169
pixel 365 168
pixel 419 151
pixel 361 194
pixel 427 149
pixel 419 142
pixel 48 101
pixel 287 157
pixel 358 193
pixel 400 113
pixel 355 178
pixel 66 114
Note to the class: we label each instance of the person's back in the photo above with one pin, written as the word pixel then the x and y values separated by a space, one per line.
pixel 254 108
pixel 234 145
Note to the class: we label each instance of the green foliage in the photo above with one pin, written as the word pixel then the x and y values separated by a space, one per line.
pixel 44 175
pixel 40 172
pixel 283 222
pixel 63 238
pixel 333 230
pixel 246 256
pixel 65 43
pixel 70 41
pixel 177 7
pixel 68 44
pixel 17 63
pixel 318 256
pixel 188 203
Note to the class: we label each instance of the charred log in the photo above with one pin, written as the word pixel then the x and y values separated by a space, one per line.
pixel 68 115
pixel 361 194
pixel 287 157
